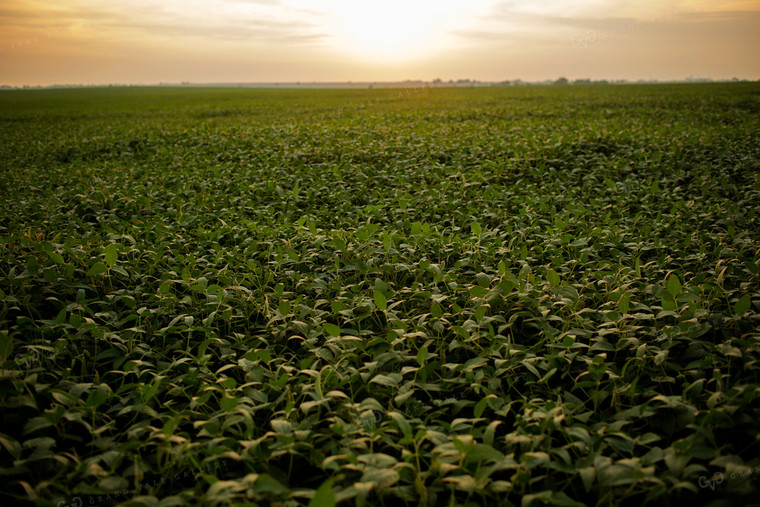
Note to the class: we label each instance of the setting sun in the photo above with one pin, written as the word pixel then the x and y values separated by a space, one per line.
pixel 394 29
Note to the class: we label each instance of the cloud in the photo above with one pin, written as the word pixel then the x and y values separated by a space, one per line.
pixel 251 30
pixel 553 21
pixel 233 20
pixel 142 20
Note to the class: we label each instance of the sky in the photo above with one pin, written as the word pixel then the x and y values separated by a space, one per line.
pixel 267 41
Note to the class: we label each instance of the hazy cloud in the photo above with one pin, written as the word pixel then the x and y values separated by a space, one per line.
pixel 234 20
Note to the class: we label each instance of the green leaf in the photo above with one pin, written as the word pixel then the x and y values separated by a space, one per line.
pixel 168 428
pixel 332 330
pixel 661 357
pixel 476 229
pixel 422 355
pixel 382 477
pixel 531 369
pixel 416 229
pixel 483 280
pixel 6 345
pixel 481 405
pixel 110 354
pixel 482 452
pixel 324 496
pixel 390 380
pixel 387 241
pixel 507 286
pixel 97 269
pixel 743 305
pixel 668 304
pixel 597 368
pixel 380 300
pixel 674 285
pixel 264 355
pixel 621 443
pixel 490 433
pixel 111 254
pixel 97 396
pixel 624 303
pixel 113 483
pixel 266 484
pixel 553 277
pixel 57 258
pixel 11 445
pixel 75 320
pixel 562 499
pixel 535 459
pixel 403 424
pixel 121 271
pixel 228 403
pixel 36 423
pixel 32 265
pixel 282 426
pixel 284 308
pixel 462 482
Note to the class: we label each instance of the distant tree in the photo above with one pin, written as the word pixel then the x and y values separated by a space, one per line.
pixel 561 81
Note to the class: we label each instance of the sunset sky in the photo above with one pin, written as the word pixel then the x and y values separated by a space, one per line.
pixel 144 42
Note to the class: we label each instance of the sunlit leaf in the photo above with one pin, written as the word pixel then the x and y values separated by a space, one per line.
pixel 380 300
pixel 332 330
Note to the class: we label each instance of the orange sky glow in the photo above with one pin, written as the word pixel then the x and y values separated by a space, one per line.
pixel 143 42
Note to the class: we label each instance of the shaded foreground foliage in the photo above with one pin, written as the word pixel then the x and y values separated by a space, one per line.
pixel 494 296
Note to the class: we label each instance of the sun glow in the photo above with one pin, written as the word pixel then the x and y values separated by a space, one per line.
pixel 394 29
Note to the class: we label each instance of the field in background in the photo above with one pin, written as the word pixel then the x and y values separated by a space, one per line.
pixel 487 296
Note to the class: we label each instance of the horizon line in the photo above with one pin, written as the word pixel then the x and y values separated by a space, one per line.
pixel 350 84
